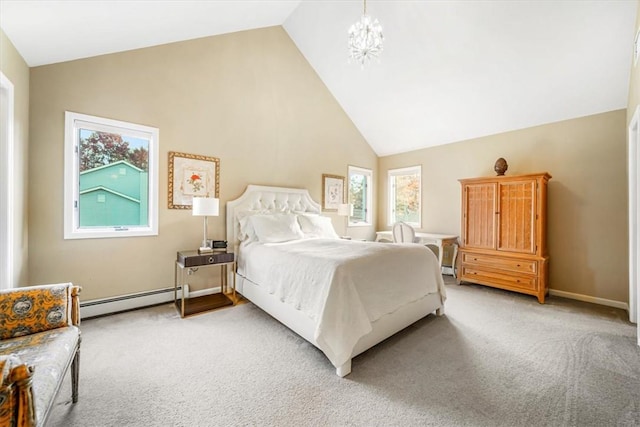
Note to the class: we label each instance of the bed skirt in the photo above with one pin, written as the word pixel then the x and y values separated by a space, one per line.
pixel 304 326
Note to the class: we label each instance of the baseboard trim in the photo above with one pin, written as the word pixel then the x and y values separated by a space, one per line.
pixel 101 307
pixel 587 298
pixel 111 305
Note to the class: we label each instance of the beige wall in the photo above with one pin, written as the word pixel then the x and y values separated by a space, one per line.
pixel 587 201
pixel 16 70
pixel 252 100
pixel 248 98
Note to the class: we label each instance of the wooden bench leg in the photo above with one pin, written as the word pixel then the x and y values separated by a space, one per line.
pixel 75 373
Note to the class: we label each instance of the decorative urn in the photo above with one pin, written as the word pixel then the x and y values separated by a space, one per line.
pixel 501 166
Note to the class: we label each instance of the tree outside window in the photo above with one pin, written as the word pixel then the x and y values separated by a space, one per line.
pixel 102 148
pixel 405 195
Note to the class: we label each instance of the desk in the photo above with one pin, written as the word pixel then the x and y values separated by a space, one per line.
pixel 440 240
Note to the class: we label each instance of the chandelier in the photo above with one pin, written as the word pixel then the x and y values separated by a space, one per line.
pixel 365 38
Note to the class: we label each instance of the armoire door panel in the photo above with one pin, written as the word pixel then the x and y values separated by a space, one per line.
pixel 517 218
pixel 480 216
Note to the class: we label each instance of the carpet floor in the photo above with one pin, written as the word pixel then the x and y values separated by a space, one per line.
pixel 495 359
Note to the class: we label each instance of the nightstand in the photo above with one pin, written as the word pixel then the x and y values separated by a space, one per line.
pixel 192 260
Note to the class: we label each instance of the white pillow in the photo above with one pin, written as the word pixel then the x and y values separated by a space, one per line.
pixel 276 228
pixel 317 226
pixel 246 231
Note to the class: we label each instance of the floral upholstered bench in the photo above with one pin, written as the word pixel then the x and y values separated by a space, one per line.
pixel 39 341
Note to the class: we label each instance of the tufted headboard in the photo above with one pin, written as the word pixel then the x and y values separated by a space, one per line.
pixel 267 199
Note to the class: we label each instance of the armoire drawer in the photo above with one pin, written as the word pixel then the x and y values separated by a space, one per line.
pixel 499 278
pixel 512 264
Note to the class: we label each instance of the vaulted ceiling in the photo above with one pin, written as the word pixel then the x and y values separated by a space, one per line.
pixel 450 70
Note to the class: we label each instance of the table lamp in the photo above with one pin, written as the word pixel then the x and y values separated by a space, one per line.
pixel 345 209
pixel 205 206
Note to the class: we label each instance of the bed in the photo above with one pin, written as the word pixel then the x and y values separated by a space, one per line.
pixel 343 296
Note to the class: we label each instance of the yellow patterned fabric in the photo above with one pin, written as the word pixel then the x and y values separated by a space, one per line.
pixel 16 395
pixel 49 352
pixel 39 340
pixel 34 309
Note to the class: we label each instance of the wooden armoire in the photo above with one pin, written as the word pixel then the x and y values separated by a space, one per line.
pixel 504 227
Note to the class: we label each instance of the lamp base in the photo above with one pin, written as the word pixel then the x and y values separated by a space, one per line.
pixel 205 250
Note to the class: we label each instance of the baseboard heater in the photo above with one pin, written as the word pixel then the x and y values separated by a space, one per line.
pixel 101 307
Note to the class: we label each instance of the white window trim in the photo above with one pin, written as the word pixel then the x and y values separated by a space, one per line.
pixel 7 179
pixel 410 170
pixel 72 176
pixel 634 215
pixel 368 172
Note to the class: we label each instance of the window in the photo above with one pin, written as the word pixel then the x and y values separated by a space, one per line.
pixel 6 182
pixel 111 178
pixel 360 191
pixel 405 195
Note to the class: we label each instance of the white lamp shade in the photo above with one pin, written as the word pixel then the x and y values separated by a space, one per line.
pixel 206 206
pixel 345 209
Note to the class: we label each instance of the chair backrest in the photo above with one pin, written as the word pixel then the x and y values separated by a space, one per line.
pixel 403 233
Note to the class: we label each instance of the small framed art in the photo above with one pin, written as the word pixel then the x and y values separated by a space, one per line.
pixel 192 175
pixel 332 192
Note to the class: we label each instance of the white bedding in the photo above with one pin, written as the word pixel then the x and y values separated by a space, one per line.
pixel 342 285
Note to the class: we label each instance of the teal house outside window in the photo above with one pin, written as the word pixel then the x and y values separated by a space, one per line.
pixel 113 195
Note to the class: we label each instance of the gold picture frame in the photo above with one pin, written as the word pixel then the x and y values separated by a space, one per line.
pixel 192 175
pixel 332 192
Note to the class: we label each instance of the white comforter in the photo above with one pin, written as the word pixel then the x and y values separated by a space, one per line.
pixel 342 285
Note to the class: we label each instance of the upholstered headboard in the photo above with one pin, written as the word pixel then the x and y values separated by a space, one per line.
pixel 267 199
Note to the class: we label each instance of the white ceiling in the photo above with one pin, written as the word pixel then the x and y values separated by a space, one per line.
pixel 450 70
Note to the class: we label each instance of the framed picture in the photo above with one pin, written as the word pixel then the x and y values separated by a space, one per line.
pixel 332 192
pixel 191 175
